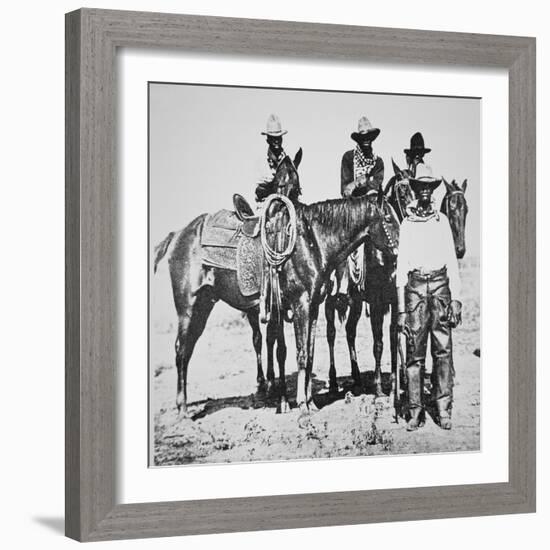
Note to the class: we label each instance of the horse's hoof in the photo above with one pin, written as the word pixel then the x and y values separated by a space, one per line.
pixel 312 406
pixel 284 407
pixel 270 389
pixel 304 418
pixel 382 401
pixel 333 389
pixel 183 414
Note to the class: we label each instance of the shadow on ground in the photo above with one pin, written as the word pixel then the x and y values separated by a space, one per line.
pixel 321 396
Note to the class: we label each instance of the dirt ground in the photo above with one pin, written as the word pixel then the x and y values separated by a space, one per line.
pixel 233 423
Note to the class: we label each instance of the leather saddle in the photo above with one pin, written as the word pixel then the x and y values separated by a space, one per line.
pixel 243 211
pixel 230 240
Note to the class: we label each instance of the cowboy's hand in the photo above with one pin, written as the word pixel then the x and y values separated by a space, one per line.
pixel 455 313
pixel 348 190
pixel 401 321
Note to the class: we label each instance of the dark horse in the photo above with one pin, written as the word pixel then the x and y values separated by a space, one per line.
pixel 380 292
pixel 326 233
pixel 191 292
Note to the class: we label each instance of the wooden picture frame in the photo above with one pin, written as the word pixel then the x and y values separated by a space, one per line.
pixel 92 39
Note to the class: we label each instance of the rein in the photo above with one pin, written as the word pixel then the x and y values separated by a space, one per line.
pixel 402 211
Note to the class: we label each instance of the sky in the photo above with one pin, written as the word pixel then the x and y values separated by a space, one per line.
pixel 205 144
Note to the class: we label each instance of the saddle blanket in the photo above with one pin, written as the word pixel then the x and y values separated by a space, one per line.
pixel 227 244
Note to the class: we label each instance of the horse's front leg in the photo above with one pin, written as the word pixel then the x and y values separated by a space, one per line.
pixel 271 338
pixel 253 319
pixel 309 366
pixel 393 340
pixel 356 306
pixel 281 359
pixel 377 322
pixel 302 330
pixel 330 315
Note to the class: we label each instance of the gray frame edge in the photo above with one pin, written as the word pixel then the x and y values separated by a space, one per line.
pixel 92 37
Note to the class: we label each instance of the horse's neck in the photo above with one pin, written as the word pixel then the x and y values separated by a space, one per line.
pixel 338 239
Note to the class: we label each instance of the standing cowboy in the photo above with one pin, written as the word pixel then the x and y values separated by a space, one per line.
pixel 275 154
pixel 428 291
pixel 415 154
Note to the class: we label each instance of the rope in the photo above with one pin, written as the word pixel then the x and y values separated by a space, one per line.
pixel 274 257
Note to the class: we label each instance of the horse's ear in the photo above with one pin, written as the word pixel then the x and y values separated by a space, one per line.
pixel 298 158
pixel 396 170
pixel 464 185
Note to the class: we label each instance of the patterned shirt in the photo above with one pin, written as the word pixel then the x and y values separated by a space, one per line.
pixel 363 173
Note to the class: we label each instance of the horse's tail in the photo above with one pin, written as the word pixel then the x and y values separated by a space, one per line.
pixel 342 302
pixel 161 248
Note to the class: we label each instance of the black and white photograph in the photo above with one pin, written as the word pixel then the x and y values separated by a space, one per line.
pixel 314 274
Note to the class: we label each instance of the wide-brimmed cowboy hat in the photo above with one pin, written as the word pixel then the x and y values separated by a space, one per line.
pixel 417 145
pixel 424 176
pixel 365 130
pixel 274 127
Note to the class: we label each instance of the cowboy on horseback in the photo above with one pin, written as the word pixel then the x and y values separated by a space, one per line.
pixel 414 155
pixel 362 173
pixel 266 184
pixel 428 292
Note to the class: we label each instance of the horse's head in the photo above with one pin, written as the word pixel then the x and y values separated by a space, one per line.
pixel 455 207
pixel 400 195
pixel 384 233
pixel 286 176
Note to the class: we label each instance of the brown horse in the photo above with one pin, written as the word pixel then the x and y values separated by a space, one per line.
pixel 286 182
pixel 380 292
pixel 327 232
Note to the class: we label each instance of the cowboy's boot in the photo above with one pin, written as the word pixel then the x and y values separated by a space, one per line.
pixel 416 420
pixel 444 408
pixel 414 389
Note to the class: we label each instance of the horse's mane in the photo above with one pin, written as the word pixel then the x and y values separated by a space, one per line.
pixel 337 213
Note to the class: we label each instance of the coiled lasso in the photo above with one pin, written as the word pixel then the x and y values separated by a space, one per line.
pixel 276 258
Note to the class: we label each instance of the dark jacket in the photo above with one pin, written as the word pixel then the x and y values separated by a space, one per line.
pixel 375 176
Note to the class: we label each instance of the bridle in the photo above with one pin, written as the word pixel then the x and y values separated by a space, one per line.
pixel 447 199
pixel 401 208
pixel 284 187
pixel 391 243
